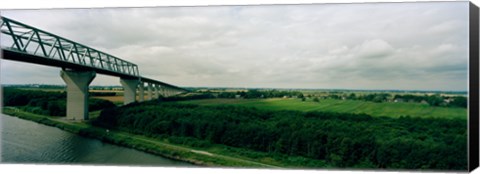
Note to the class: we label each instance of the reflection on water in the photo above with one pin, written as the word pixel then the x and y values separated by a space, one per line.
pixel 29 142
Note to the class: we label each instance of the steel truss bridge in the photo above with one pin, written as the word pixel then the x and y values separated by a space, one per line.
pixel 79 63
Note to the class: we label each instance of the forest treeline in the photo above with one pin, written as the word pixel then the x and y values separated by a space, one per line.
pixel 45 102
pixel 432 100
pixel 340 140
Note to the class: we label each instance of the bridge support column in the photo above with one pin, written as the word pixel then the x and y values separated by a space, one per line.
pixel 165 90
pixel 77 92
pixel 149 91
pixel 142 92
pixel 159 90
pixel 129 90
pixel 168 92
pixel 162 91
pixel 156 93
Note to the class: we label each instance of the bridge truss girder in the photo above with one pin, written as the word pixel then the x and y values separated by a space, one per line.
pixel 30 40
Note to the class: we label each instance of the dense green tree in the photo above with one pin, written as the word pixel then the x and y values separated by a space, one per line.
pixel 343 140
pixel 434 100
pixel 458 102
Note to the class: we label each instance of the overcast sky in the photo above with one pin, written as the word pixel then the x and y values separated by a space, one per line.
pixel 350 46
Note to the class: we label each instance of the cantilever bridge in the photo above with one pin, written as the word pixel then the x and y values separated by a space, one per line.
pixel 79 64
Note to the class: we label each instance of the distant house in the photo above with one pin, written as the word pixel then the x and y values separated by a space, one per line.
pixel 424 102
pixel 285 96
pixel 238 96
pixel 398 100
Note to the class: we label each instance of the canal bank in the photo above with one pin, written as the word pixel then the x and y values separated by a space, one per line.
pixel 27 142
pixel 142 143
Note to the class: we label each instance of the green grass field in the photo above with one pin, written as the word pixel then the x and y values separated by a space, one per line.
pixel 343 106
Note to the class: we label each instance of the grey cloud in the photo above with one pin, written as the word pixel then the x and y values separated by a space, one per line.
pixel 18 73
pixel 379 46
pixel 375 49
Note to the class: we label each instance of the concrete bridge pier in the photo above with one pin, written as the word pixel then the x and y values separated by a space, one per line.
pixel 162 91
pixel 141 89
pixel 149 88
pixel 159 91
pixel 77 92
pixel 129 90
pixel 169 92
pixel 156 94
pixel 165 91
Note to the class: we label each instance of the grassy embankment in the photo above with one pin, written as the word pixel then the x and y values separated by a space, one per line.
pixel 213 156
pixel 394 110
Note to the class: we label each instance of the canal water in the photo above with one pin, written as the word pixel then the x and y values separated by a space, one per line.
pixel 28 142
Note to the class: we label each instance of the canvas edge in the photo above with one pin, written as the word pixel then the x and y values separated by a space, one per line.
pixel 473 120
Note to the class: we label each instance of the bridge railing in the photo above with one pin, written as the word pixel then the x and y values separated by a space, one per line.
pixel 27 39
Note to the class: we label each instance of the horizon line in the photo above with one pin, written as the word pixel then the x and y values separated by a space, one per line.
pixel 284 88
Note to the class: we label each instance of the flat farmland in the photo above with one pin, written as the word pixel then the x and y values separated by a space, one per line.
pixel 389 109
pixel 115 99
